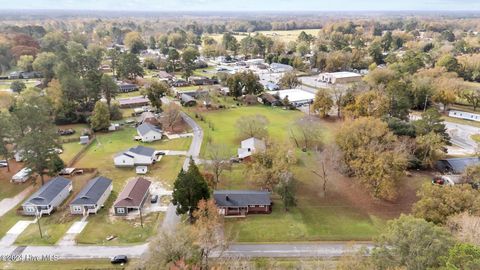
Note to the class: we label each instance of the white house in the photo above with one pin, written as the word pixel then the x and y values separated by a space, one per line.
pixel 297 97
pixel 280 68
pixel 340 77
pixel 92 197
pixel 149 133
pixel 138 155
pixel 249 147
pixel 464 115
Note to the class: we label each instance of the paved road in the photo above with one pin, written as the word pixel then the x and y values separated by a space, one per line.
pixel 461 135
pixel 196 145
pixel 320 250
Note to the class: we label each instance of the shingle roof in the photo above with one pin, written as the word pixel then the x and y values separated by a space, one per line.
pixel 48 192
pixel 241 197
pixel 93 191
pixel 142 150
pixel 146 127
pixel 456 165
pixel 133 193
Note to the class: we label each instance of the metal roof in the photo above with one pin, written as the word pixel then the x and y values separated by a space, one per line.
pixel 93 191
pixel 48 192
pixel 238 198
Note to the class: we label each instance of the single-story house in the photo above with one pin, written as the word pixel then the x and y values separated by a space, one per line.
pixel 242 202
pixel 269 99
pixel 340 77
pixel 456 165
pixel 92 197
pixel 200 80
pixel 132 197
pixel 464 115
pixel 48 197
pixel 297 97
pixel 279 68
pixel 21 176
pixel 250 146
pixel 180 83
pixel 187 100
pixel 149 133
pixel 165 75
pixel 133 102
pixel 126 87
pixel 138 155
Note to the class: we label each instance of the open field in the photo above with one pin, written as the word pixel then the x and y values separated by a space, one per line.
pixel 70 150
pixel 286 36
pixel 101 152
pixel 128 94
pixel 225 132
pixel 346 213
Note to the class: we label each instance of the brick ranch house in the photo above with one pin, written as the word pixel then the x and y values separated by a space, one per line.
pixel 242 202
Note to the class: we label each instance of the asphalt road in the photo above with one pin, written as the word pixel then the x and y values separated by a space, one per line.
pixel 306 250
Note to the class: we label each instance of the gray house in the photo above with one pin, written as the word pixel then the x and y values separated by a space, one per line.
pixel 48 197
pixel 92 197
pixel 187 100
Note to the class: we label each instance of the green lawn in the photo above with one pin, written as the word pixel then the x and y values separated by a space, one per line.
pixel 8 220
pixel 102 225
pixel 70 150
pixel 51 229
pixel 225 132
pixel 9 190
pixel 128 94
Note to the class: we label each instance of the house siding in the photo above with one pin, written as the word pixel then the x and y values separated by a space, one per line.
pixel 48 209
pixel 92 209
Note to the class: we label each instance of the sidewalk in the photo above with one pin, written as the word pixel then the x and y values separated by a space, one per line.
pixel 69 238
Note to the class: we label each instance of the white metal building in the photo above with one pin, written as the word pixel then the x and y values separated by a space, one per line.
pixel 464 115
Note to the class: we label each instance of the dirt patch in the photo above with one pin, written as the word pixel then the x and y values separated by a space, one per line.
pixel 179 127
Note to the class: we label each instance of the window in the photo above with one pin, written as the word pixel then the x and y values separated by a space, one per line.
pixel 30 209
pixel 77 208
pixel 121 210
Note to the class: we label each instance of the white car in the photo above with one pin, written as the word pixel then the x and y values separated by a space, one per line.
pixel 3 163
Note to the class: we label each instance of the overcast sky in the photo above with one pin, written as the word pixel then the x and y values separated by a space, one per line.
pixel 243 5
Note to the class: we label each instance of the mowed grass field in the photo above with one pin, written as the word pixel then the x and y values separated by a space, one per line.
pixel 346 213
pixel 225 131
pixel 101 152
pixel 286 36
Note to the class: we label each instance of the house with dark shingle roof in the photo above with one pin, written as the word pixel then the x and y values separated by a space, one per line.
pixel 132 197
pixel 242 202
pixel 48 197
pixel 138 155
pixel 92 197
pixel 149 133
pixel 187 100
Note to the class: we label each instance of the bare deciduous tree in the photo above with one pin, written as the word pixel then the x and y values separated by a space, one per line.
pixel 252 126
pixel 171 115
pixel 218 156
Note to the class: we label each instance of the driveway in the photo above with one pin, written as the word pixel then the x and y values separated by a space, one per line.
pixel 9 203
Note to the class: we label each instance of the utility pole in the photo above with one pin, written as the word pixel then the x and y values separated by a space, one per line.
pixel 425 105
pixel 141 217
pixel 38 223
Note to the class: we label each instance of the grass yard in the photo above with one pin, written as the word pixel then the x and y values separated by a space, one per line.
pixel 103 225
pixel 346 213
pixel 128 94
pixel 9 189
pixel 78 131
pixel 52 232
pixel 70 150
pixel 188 88
pixel 92 264
pixel 286 35
pixel 225 132
pixel 8 220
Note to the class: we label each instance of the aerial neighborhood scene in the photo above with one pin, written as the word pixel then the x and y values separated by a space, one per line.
pixel 221 134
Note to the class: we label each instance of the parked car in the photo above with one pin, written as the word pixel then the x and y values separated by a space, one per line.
pixel 154 199
pixel 119 259
pixel 66 132
pixel 3 163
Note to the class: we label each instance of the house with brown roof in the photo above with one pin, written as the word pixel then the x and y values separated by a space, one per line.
pixel 132 197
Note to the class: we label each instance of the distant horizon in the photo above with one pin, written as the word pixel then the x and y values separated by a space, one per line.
pixel 244 6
